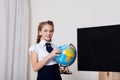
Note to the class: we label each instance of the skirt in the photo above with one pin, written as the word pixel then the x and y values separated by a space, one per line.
pixel 50 72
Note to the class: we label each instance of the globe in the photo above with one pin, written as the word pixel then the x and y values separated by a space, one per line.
pixel 67 55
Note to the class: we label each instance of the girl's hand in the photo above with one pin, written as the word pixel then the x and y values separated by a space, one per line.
pixel 54 52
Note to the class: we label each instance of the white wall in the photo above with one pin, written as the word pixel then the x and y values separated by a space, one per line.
pixel 68 15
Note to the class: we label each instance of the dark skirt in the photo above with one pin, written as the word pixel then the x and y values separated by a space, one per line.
pixel 50 72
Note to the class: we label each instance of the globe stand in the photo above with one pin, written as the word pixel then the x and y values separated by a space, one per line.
pixel 65 70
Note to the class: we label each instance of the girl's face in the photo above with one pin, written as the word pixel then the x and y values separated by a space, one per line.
pixel 46 32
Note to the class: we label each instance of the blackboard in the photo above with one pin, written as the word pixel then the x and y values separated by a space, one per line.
pixel 99 48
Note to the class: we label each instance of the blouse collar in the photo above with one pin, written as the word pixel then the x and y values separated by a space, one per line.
pixel 43 42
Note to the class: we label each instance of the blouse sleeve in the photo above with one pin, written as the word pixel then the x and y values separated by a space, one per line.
pixel 33 48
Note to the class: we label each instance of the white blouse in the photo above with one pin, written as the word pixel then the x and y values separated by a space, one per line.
pixel 40 49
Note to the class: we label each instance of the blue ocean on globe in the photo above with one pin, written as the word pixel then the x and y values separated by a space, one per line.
pixel 67 55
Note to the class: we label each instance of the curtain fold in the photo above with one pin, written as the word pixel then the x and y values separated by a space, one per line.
pixel 14 36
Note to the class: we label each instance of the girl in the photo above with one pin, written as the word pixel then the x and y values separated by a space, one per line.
pixel 42 54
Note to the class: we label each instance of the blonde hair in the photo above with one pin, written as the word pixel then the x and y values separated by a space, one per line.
pixel 40 26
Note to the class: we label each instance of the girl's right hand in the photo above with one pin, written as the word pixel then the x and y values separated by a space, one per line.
pixel 54 52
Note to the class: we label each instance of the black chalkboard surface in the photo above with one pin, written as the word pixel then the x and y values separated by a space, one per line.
pixel 99 48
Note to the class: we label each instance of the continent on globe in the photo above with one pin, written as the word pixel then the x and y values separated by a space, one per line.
pixel 69 52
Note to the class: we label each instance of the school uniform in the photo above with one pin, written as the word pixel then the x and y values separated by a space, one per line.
pixel 51 70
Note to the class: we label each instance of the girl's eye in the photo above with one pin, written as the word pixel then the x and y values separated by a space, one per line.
pixel 48 31
pixel 51 30
pixel 45 30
